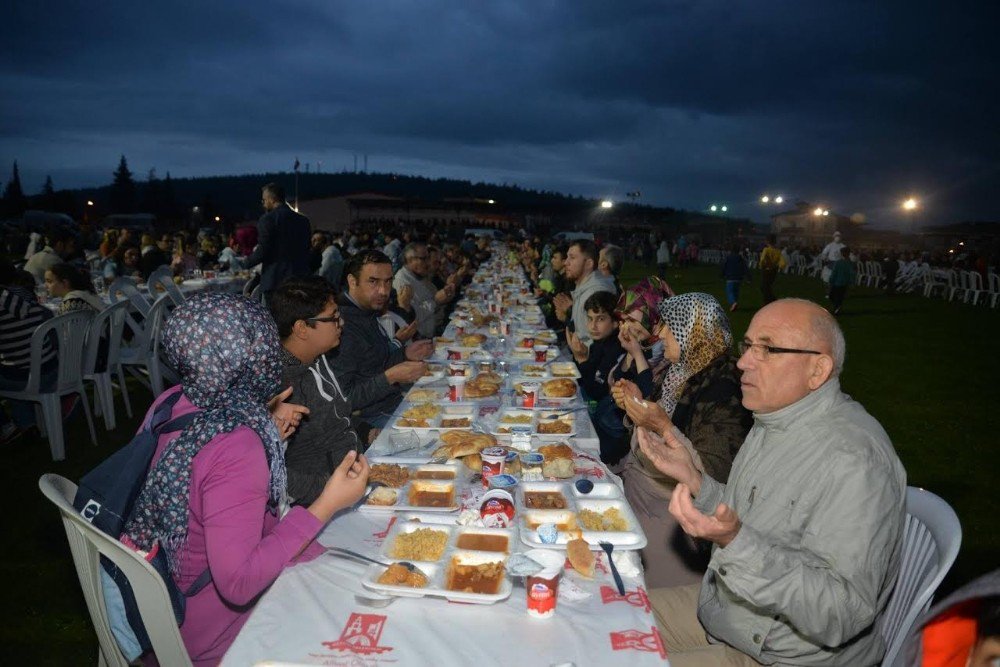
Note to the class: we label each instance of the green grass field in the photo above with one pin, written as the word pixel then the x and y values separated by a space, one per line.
pixel 925 368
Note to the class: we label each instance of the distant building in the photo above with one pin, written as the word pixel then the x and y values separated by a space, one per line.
pixel 810 225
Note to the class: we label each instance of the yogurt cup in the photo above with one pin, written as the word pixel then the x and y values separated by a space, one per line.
pixel 493 460
pixel 543 587
pixel 456 387
pixel 503 481
pixel 457 368
pixel 454 354
pixel 497 509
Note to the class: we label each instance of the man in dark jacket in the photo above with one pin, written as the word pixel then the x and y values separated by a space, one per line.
pixel 371 370
pixel 282 241
pixel 310 324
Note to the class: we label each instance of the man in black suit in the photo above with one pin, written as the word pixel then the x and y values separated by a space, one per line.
pixel 282 240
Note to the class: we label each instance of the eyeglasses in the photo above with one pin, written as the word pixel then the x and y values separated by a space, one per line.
pixel 337 319
pixel 761 352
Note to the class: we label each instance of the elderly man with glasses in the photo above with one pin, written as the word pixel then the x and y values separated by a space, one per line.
pixel 428 302
pixel 807 532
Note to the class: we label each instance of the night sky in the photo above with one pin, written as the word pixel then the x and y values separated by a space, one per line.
pixel 853 104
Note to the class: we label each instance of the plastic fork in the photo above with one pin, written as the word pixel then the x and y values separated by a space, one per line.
pixel 608 548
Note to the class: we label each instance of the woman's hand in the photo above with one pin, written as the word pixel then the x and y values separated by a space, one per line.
pixel 406 333
pixel 669 455
pixel 647 414
pixel 628 340
pixel 345 486
pixel 405 297
pixel 622 390
pixel 286 416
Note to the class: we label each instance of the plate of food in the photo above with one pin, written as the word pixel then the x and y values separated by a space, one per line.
pixel 556 389
pixel 433 373
pixel 563 369
pixel 421 487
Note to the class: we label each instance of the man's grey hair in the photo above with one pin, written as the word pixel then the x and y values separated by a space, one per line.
pixel 825 329
pixel 413 248
pixel 615 257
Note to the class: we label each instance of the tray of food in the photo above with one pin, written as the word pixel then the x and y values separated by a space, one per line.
pixel 485 384
pixel 555 389
pixel 426 395
pixel 534 370
pixel 433 372
pixel 459 353
pixel 458 563
pixel 423 487
pixel 563 369
pixel 553 513
pixel 433 417
pixel 542 423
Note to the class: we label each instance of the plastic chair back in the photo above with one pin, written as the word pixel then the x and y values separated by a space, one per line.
pixel 71 333
pixel 87 544
pixel 931 538
pixel 164 277
pixel 125 288
pixel 108 324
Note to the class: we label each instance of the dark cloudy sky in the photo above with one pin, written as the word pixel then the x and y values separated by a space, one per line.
pixel 852 103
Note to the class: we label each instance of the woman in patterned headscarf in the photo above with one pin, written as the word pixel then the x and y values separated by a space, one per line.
pixel 699 394
pixel 215 493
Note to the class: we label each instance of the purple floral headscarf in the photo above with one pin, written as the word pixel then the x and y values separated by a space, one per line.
pixel 226 349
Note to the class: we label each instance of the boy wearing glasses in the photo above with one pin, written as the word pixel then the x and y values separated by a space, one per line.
pixel 309 324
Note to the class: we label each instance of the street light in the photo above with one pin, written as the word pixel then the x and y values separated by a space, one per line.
pixel 911 204
pixel 818 211
pixel 713 208
pixel 90 203
pixel 607 203
pixel 725 208
pixel 765 199
pixel 490 201
pixel 779 199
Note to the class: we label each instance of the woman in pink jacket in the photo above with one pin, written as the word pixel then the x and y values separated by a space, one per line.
pixel 215 495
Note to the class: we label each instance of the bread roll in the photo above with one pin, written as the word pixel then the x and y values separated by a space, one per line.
pixel 557 461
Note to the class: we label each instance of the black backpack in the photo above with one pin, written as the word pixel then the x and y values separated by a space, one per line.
pixel 105 498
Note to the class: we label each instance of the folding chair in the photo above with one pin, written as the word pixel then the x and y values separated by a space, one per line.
pixel 71 334
pixel 931 538
pixel 87 544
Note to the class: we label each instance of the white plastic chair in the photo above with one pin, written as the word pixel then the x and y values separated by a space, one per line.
pixel 974 286
pixel 931 538
pixel 143 360
pixel 164 277
pixel 87 544
pixel 125 288
pixel 108 325
pixel 71 333
pixel 994 286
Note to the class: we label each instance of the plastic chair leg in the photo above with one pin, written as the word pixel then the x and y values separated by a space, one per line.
pixel 52 416
pixel 90 417
pixel 124 388
pixel 102 387
pixel 40 420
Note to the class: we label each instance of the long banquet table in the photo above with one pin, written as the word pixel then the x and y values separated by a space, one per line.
pixel 319 612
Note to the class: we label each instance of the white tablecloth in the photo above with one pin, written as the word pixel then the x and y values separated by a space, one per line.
pixel 311 616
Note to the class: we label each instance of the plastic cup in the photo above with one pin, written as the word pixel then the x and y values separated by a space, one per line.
pixel 459 327
pixel 541 353
pixel 456 388
pixel 456 369
pixel 454 353
pixel 529 341
pixel 505 327
pixel 530 394
pixel 543 587
pixel 493 460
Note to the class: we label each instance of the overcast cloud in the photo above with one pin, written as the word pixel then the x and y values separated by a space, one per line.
pixel 855 104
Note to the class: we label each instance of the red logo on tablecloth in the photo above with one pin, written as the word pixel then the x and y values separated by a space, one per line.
pixel 361 635
pixel 636 598
pixel 637 640
pixel 594 472
pixel 382 534
pixel 589 457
